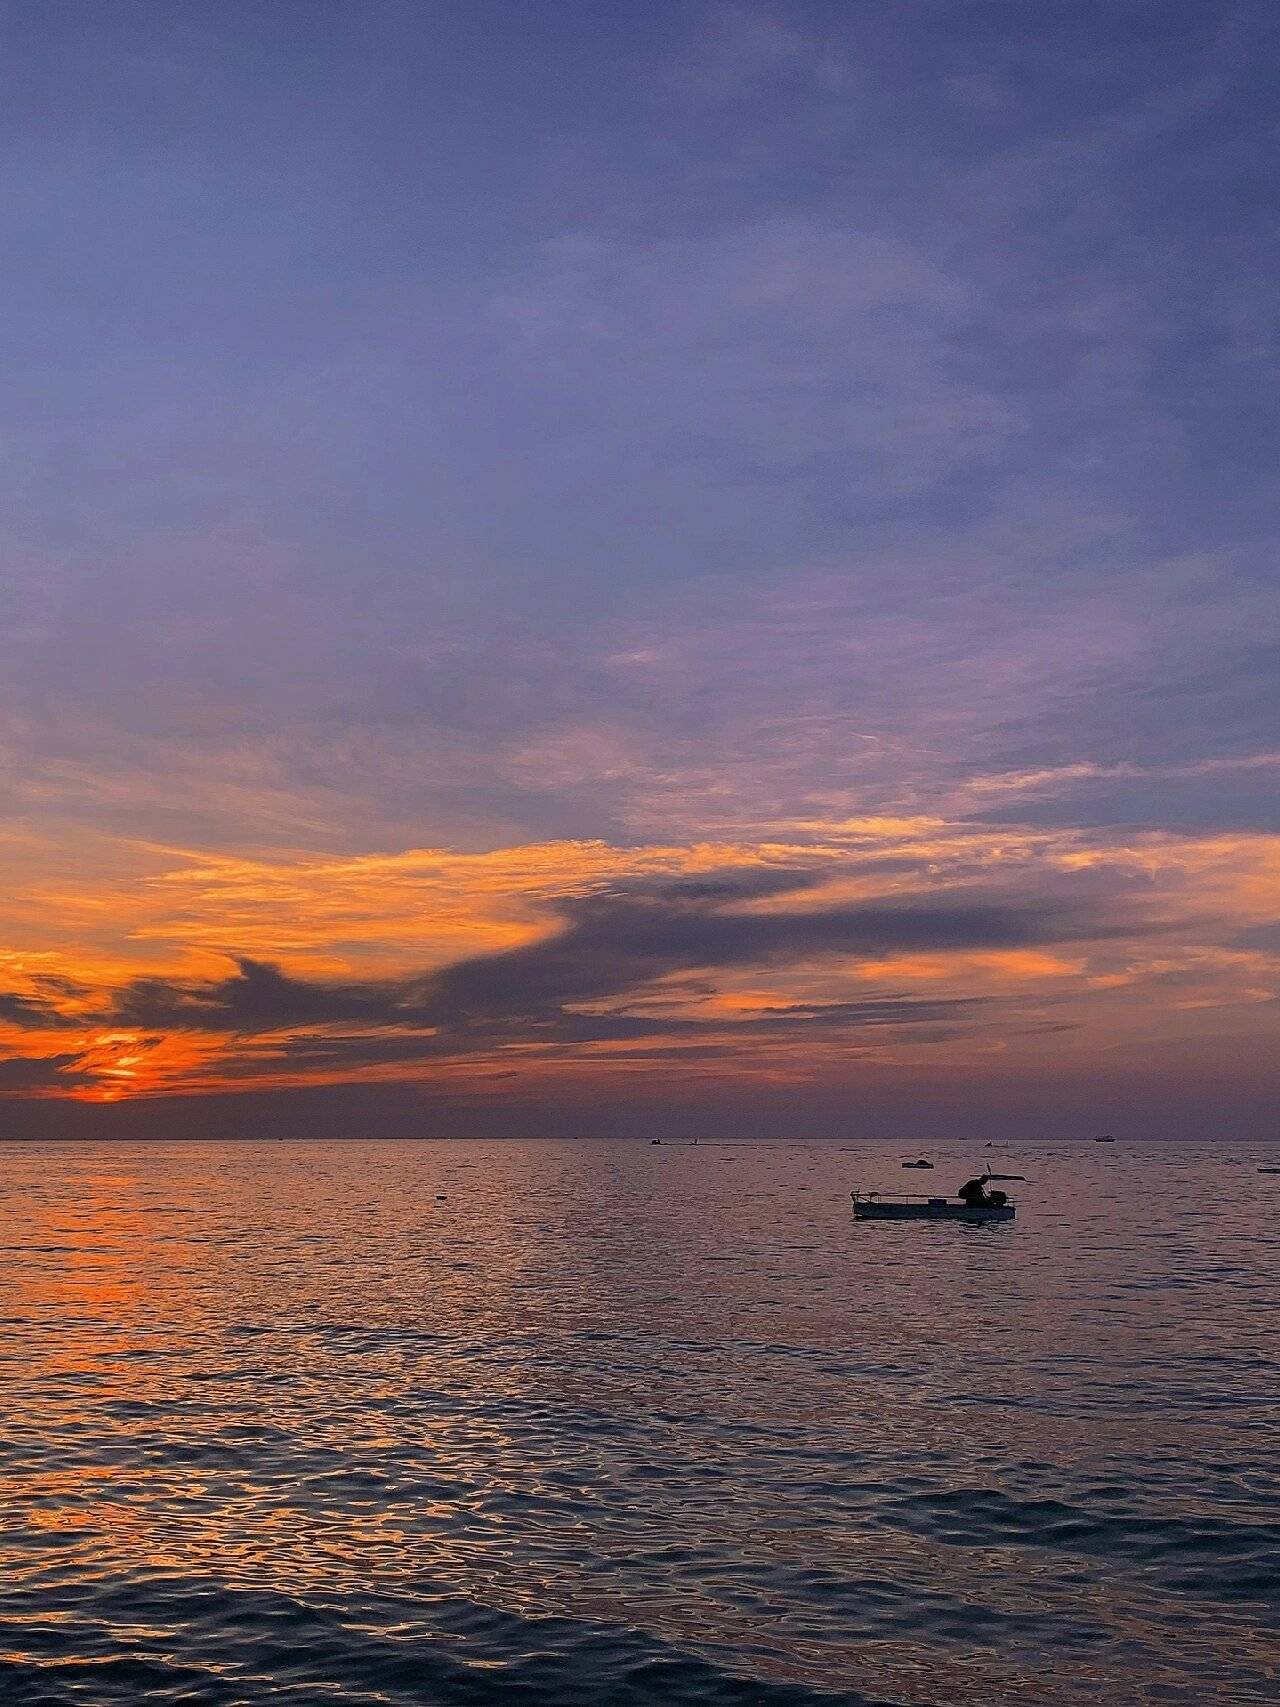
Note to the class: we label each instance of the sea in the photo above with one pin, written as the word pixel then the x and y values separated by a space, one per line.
pixel 579 1422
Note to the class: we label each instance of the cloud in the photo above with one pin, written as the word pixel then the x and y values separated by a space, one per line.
pixel 30 1075
pixel 874 936
pixel 614 943
pixel 611 945
pixel 257 997
pixel 30 1013
pixel 917 480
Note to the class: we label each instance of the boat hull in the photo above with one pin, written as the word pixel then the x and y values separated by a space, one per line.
pixel 882 1209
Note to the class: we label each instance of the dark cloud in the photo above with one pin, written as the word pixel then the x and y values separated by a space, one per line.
pixel 617 942
pixel 635 1036
pixel 22 1074
pixel 610 947
pixel 32 1013
pixel 257 997
pixel 887 1010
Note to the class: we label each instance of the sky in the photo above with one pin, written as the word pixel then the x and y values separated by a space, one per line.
pixel 622 568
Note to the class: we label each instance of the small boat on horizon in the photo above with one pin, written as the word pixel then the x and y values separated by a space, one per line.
pixel 920 1164
pixel 1105 1139
pixel 873 1206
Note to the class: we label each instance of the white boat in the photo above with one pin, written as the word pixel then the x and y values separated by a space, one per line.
pixel 874 1206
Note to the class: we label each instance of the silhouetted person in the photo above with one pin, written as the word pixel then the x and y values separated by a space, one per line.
pixel 974 1192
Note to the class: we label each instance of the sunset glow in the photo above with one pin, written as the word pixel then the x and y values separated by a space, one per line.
pixel 569 614
pixel 944 952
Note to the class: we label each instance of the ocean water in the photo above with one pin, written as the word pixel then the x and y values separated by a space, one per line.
pixel 554 1423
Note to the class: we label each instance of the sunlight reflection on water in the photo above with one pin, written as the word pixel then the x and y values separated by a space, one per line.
pixel 588 1422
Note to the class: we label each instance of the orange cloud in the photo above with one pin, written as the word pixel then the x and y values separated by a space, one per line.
pixel 79 925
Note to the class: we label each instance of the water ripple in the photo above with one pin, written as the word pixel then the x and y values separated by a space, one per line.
pixel 593 1423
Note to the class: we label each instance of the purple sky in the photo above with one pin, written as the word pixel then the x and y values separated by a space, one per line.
pixel 619 447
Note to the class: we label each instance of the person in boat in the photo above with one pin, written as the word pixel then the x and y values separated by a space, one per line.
pixel 974 1192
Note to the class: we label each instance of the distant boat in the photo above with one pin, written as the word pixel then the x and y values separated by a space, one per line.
pixel 871 1206
pixel 1269 1170
pixel 1107 1139
pixel 920 1164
